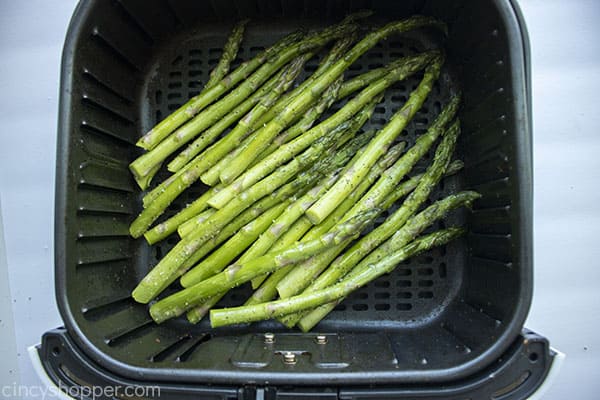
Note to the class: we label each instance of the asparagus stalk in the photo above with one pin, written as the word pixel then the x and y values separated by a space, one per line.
pixel 269 289
pixel 200 143
pixel 245 314
pixel 336 91
pixel 226 253
pixel 265 135
pixel 201 163
pixel 206 97
pixel 196 314
pixel 146 290
pixel 150 196
pixel 411 64
pixel 164 229
pixel 394 223
pixel 377 147
pixel 242 239
pixel 165 193
pixel 245 125
pixel 337 51
pixel 301 276
pixel 208 117
pixel 262 169
pixel 394 174
pixel 230 51
pixel 276 227
pixel 211 177
pixel 236 274
pixel 308 119
pixel 407 186
pixel 321 168
pixel 408 63
pixel 230 229
pixel 362 80
pixel 180 163
pixel 288 150
pixel 188 226
pixel 413 227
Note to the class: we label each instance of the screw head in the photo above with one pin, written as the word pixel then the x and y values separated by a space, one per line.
pixel 289 358
pixel 269 337
pixel 321 339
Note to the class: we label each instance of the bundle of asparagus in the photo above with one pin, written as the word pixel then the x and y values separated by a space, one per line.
pixel 291 193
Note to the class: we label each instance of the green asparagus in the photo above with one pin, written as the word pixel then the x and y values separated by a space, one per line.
pixel 197 103
pixel 378 146
pixel 263 136
pixel 230 51
pixel 268 290
pixel 236 274
pixel 245 314
pixel 396 222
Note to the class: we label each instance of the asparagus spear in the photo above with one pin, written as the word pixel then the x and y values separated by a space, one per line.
pixel 226 253
pixel 288 150
pixel 245 125
pixel 205 119
pixel 322 168
pixel 196 314
pixel 407 186
pixel 243 238
pixel 236 274
pixel 263 136
pixel 230 229
pixel 409 64
pixel 213 113
pixel 258 171
pixel 230 51
pixel 362 80
pixel 164 229
pixel 232 117
pixel 156 201
pixel 303 276
pixel 180 163
pixel 188 226
pixel 394 223
pixel 219 261
pixel 146 289
pixel 378 146
pixel 163 195
pixel 302 302
pixel 399 170
pixel 269 289
pixel 307 120
pixel 337 51
pixel 197 103
pixel 190 174
pixel 211 177
pixel 414 226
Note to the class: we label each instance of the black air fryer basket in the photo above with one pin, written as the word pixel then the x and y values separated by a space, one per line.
pixel 447 324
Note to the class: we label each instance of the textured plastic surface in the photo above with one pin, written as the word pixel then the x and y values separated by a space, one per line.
pixel 518 374
pixel 442 316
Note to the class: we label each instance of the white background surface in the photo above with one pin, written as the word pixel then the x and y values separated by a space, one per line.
pixel 565 43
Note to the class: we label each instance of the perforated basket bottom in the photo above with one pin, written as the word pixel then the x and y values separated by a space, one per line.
pixel 419 288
